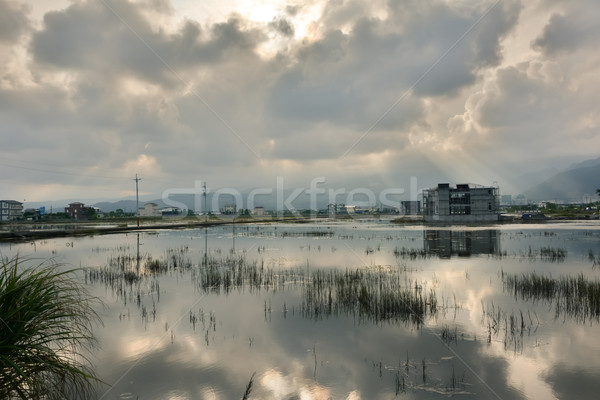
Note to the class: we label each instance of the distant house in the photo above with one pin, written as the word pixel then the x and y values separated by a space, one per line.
pixel 169 211
pixel 77 210
pixel 32 214
pixel 98 211
pixel 229 209
pixel 334 209
pixel 150 210
pixel 461 203
pixel 259 211
pixel 10 210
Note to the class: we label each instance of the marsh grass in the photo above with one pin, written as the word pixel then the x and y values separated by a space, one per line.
pixel 546 253
pixel 514 326
pixel 377 295
pixel 313 233
pixel 46 321
pixel 412 253
pixel 225 273
pixel 372 295
pixel 576 297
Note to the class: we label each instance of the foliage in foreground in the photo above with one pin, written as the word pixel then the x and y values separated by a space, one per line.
pixel 46 320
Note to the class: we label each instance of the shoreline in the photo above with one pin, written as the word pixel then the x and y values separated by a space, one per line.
pixel 26 231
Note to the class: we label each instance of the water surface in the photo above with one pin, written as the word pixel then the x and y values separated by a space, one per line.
pixel 311 311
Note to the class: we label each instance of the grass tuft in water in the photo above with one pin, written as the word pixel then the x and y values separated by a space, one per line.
pixel 46 320
pixel 373 295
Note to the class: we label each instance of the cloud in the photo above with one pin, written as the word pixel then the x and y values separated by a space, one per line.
pixel 353 79
pixel 14 20
pixel 283 26
pixel 574 28
pixel 116 40
pixel 95 84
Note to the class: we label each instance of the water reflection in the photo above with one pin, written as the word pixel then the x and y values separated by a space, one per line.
pixel 333 311
pixel 446 243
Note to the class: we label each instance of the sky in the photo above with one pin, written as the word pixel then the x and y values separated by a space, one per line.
pixel 247 95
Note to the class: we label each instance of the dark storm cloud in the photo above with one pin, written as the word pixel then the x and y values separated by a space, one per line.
pixel 575 28
pixel 519 96
pixel 457 43
pixel 120 41
pixel 13 20
pixel 352 78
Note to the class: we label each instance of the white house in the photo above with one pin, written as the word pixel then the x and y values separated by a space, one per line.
pixel 150 210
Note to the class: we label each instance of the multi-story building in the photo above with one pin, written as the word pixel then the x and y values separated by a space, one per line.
pixel 77 210
pixel 461 203
pixel 10 210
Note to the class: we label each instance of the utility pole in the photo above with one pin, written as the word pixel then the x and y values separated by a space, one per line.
pixel 137 199
pixel 204 194
pixel 205 227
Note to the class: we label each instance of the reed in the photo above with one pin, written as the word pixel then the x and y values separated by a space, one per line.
pixel 412 253
pixel 249 388
pixel 46 325
pixel 372 295
pixel 549 254
pixel 577 297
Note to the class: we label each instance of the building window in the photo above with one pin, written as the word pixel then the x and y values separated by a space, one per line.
pixel 489 206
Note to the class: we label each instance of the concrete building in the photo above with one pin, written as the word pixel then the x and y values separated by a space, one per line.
pixel 461 203
pixel 258 211
pixel 412 207
pixel 77 210
pixel 10 210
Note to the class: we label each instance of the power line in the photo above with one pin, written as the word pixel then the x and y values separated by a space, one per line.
pixel 59 172
pixel 56 172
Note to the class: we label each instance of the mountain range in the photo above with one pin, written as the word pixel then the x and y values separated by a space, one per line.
pixel 572 185
pixel 576 183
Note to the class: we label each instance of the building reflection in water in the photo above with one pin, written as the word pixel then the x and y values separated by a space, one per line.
pixel 446 243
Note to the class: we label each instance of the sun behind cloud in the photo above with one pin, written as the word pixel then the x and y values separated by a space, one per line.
pixel 142 164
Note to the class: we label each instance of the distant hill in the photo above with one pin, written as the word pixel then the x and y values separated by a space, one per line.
pixel 125 205
pixel 570 185
pixel 531 179
pixel 587 163
pixel 184 200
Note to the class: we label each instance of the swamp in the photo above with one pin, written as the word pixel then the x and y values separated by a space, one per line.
pixel 341 310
